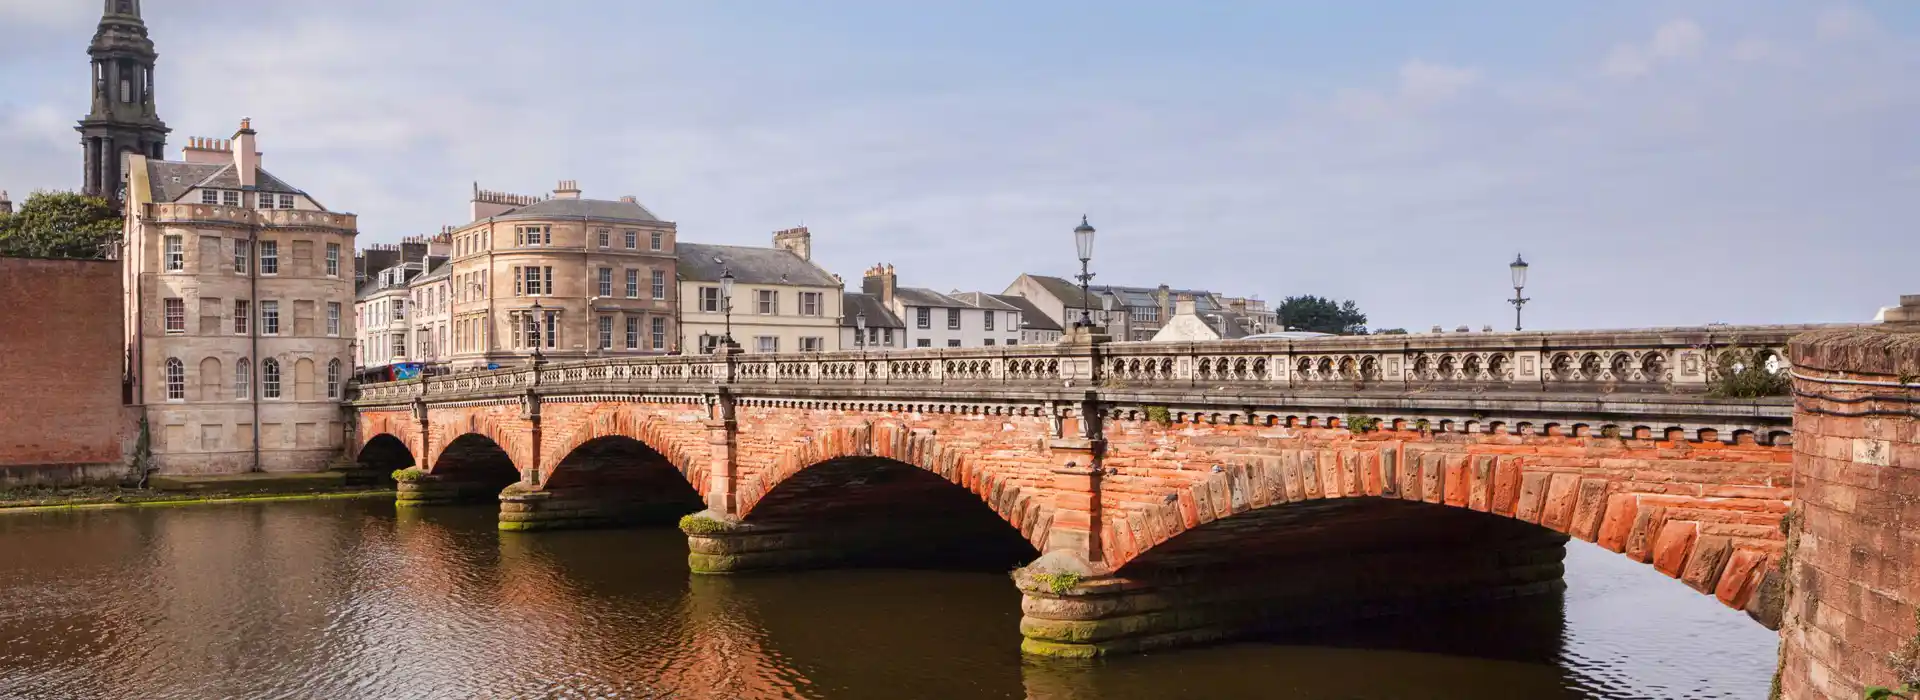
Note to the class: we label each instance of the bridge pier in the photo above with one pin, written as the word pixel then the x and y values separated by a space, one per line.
pixel 525 509
pixel 1208 594
pixel 423 489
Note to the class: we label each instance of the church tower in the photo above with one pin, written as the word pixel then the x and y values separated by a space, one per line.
pixel 123 119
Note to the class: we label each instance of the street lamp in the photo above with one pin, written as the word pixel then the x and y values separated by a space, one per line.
pixel 726 302
pixel 1519 268
pixel 539 319
pixel 860 330
pixel 1083 241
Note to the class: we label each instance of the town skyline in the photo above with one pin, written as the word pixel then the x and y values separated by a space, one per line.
pixel 1657 164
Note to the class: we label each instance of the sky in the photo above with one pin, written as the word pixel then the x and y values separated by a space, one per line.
pixel 1657 162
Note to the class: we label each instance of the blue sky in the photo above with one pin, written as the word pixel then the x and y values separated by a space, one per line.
pixel 1659 163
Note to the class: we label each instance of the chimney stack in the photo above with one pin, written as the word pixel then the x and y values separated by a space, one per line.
pixel 490 203
pixel 796 241
pixel 1183 305
pixel 246 159
pixel 629 199
pixel 207 151
pixel 880 282
pixel 568 189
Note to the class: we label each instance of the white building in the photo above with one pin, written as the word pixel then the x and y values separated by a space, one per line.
pixel 935 320
pixel 782 302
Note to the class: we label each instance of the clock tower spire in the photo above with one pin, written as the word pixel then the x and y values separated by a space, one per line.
pixel 123 119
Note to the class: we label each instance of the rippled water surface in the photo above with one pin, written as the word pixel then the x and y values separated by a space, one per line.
pixel 346 599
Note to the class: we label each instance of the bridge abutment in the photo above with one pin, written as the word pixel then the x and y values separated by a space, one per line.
pixel 1851 591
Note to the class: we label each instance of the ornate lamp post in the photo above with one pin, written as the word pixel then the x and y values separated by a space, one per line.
pixel 726 303
pixel 1083 241
pixel 860 330
pixel 1519 268
pixel 539 324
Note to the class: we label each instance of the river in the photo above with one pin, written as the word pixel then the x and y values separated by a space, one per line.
pixel 348 599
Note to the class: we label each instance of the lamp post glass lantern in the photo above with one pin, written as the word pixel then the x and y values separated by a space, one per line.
pixel 1083 243
pixel 536 321
pixel 726 303
pixel 1519 270
pixel 860 329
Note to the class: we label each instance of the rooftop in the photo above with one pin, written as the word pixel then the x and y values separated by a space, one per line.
pixel 618 211
pixel 704 262
pixel 878 316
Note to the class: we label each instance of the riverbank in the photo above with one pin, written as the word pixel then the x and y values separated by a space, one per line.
pixel 37 499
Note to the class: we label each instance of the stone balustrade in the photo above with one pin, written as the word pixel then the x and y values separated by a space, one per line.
pixel 194 213
pixel 1658 360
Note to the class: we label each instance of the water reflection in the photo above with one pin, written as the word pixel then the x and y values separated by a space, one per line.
pixel 348 599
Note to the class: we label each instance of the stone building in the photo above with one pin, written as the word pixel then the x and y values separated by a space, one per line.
pixel 573 277
pixel 935 320
pixel 238 300
pixel 1035 327
pixel 884 330
pixel 431 314
pixel 386 306
pixel 124 119
pixel 782 302
pixel 1191 324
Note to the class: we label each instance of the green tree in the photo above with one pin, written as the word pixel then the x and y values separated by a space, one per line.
pixel 1322 315
pixel 59 225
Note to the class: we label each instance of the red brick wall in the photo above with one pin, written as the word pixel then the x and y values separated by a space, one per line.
pixel 1852 590
pixel 61 357
pixel 1705 512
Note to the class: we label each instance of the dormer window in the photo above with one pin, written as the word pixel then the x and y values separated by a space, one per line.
pixel 286 201
pixel 230 198
pixel 209 196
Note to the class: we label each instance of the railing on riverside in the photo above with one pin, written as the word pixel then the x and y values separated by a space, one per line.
pixel 1654 359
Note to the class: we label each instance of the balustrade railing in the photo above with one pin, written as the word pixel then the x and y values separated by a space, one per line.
pixel 1658 359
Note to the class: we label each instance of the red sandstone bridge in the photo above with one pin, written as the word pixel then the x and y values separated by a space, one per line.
pixel 1160 494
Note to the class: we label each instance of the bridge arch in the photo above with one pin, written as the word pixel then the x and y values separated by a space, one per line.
pixel 648 432
pixel 835 459
pixel 1247 500
pixel 476 458
pixel 384 452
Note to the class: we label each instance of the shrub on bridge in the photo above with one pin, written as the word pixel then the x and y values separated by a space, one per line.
pixel 1743 373
pixel 409 475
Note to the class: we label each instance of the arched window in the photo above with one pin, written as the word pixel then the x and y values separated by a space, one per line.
pixel 333 378
pixel 243 379
pixel 269 378
pixel 176 379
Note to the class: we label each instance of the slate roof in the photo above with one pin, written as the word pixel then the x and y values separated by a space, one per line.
pixel 1030 315
pixel 984 300
pixel 595 209
pixel 703 262
pixel 438 267
pixel 920 296
pixel 1069 293
pixel 171 180
pixel 878 316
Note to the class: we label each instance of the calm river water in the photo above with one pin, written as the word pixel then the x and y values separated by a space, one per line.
pixel 343 600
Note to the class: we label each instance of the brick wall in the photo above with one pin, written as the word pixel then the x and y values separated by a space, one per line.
pixel 1852 592
pixel 60 361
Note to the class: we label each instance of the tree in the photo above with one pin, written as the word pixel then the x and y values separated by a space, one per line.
pixel 59 225
pixel 1322 315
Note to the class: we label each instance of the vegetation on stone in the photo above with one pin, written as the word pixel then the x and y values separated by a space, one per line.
pixel 1058 583
pixel 697 524
pixel 1159 414
pixel 1742 373
pixel 1360 423
pixel 409 475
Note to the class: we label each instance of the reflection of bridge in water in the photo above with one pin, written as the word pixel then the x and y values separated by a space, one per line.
pixel 1163 494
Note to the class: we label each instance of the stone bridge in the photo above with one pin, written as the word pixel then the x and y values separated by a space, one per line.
pixel 1157 494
